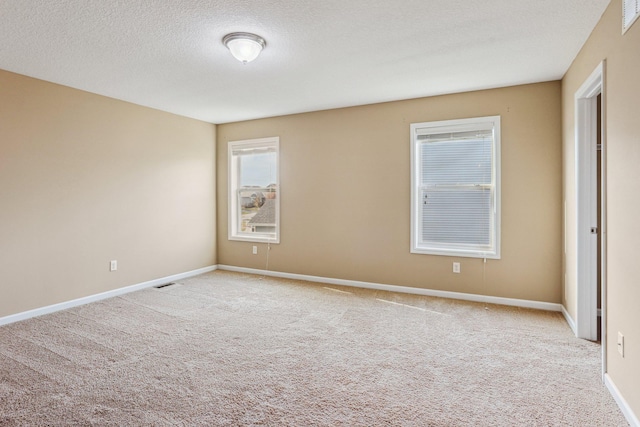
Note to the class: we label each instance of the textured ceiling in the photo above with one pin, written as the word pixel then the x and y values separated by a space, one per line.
pixel 320 54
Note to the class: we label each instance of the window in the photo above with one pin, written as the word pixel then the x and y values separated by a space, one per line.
pixel 254 190
pixel 630 13
pixel 455 187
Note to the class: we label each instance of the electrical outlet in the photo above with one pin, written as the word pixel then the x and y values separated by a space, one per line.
pixel 456 267
pixel 113 266
pixel 621 344
pixel 255 250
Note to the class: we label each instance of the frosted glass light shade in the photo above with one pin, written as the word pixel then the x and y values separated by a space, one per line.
pixel 245 47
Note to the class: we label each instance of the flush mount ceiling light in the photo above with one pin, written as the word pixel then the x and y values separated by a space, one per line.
pixel 245 47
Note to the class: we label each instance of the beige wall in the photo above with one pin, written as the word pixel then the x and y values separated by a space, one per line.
pixel 345 183
pixel 622 105
pixel 85 179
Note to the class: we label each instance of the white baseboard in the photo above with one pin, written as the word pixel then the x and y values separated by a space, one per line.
pixel 104 295
pixel 403 289
pixel 570 321
pixel 622 403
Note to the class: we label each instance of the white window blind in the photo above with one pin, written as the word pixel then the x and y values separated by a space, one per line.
pixel 251 149
pixel 455 187
pixel 630 13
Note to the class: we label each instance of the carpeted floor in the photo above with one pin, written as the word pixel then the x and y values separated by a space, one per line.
pixel 227 349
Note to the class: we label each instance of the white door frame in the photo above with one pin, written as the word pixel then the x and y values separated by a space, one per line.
pixel 586 99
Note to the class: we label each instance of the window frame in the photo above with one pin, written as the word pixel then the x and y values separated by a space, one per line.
pixel 455 250
pixel 233 200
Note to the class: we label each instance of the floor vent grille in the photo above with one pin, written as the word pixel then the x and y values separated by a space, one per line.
pixel 164 286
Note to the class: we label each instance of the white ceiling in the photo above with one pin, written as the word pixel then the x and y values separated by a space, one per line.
pixel 320 54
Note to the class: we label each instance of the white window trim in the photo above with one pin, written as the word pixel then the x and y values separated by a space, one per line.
pixel 233 205
pixel 418 128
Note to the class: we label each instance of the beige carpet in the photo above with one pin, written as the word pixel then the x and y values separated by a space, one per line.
pixel 226 349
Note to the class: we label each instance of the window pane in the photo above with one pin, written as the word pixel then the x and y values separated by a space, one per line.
pixel 456 162
pixel 258 170
pixel 457 216
pixel 257 210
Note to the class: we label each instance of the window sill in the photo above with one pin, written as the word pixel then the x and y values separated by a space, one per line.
pixel 455 253
pixel 255 239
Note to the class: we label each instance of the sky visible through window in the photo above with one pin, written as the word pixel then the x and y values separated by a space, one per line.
pixel 258 170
